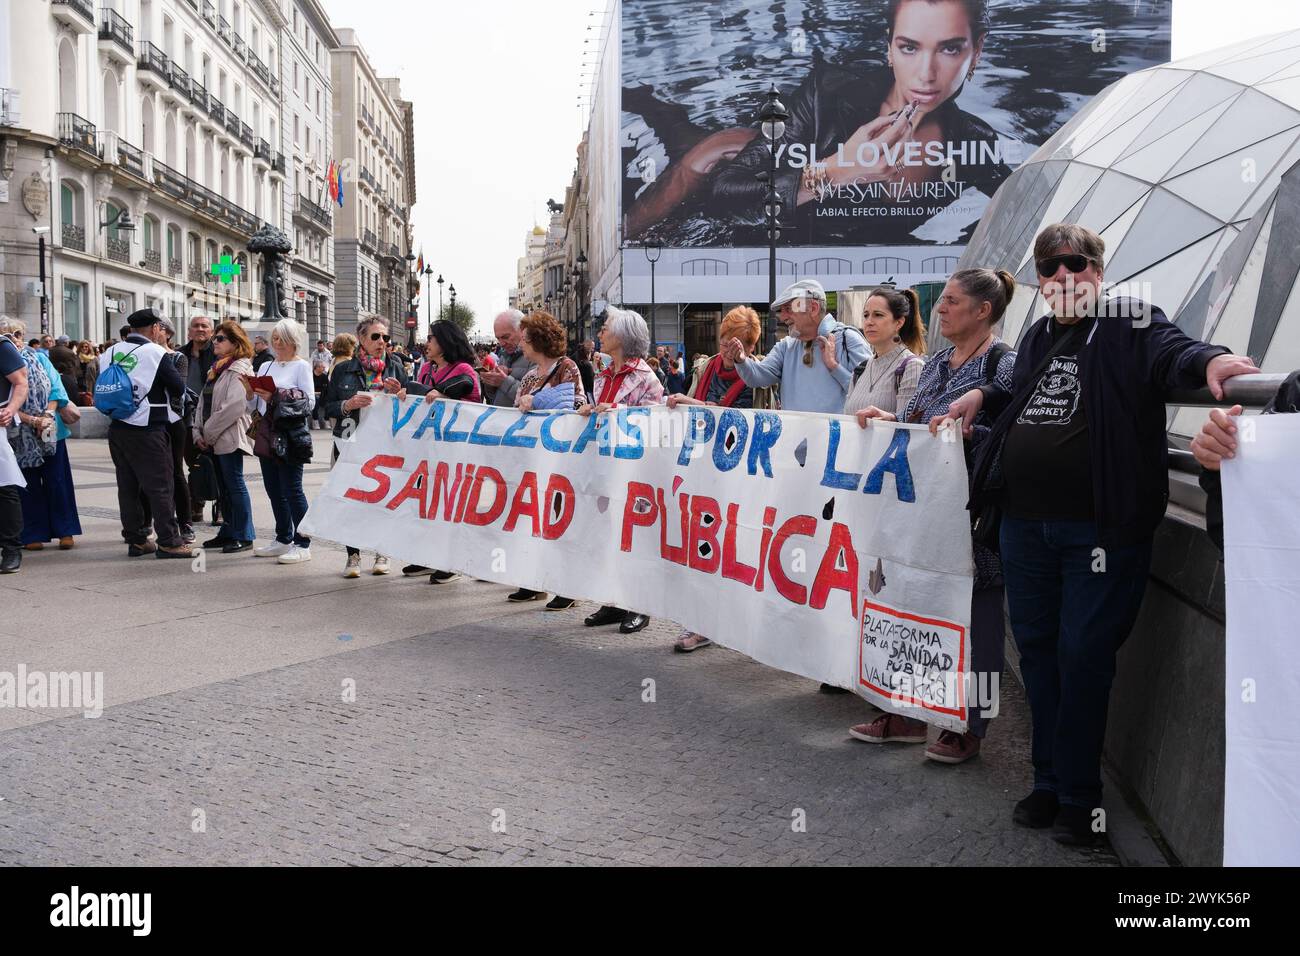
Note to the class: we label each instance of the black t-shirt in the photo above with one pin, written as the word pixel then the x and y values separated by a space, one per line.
pixel 1047 461
pixel 10 361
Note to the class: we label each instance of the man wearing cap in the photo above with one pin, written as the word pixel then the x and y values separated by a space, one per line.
pixel 813 364
pixel 139 444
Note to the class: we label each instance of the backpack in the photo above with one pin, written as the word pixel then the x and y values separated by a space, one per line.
pixel 114 395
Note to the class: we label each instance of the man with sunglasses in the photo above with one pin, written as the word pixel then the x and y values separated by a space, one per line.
pixel 1076 464
pixel 813 364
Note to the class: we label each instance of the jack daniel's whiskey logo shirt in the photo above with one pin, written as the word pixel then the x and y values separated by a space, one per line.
pixel 1047 461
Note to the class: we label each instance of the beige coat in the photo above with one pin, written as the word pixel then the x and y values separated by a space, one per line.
pixel 225 429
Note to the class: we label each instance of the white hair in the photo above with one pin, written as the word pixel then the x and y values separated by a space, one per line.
pixel 514 316
pixel 291 330
pixel 630 330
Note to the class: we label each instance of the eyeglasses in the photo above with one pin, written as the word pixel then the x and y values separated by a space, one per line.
pixel 376 336
pixel 1073 262
pixel 220 338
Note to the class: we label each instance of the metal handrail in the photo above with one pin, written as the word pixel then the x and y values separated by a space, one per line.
pixel 1248 391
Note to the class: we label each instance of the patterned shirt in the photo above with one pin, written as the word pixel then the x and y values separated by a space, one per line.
pixel 564 371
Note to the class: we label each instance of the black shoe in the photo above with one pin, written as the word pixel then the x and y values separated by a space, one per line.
pixel 1038 810
pixel 11 561
pixel 441 577
pixel 1074 826
pixel 415 570
pixel 606 615
pixel 523 594
pixel 217 542
pixel 633 622
pixel 558 603
pixel 140 550
pixel 832 689
pixel 234 547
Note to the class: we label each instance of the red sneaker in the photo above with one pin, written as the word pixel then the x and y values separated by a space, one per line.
pixel 890 728
pixel 952 747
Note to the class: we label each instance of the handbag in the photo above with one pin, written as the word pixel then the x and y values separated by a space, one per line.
pixel 203 477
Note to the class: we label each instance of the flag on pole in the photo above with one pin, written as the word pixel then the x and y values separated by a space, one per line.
pixel 419 265
pixel 331 183
pixel 338 179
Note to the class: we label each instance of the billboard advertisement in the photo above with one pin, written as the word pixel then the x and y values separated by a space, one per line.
pixel 904 115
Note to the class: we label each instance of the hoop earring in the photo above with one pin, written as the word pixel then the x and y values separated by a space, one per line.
pixel 897 339
pixel 971 75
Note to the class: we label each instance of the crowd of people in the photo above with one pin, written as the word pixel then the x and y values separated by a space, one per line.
pixel 1065 439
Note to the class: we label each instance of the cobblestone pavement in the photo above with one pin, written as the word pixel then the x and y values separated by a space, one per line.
pixel 480 732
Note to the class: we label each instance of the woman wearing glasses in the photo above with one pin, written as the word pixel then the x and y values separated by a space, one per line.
pixel 352 387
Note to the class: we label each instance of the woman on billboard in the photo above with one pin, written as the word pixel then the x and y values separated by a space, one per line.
pixel 880 156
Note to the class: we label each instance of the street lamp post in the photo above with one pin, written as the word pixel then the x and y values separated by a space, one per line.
pixel 451 291
pixel 579 274
pixel 428 311
pixel 772 119
pixel 440 296
pixel 411 315
pixel 652 253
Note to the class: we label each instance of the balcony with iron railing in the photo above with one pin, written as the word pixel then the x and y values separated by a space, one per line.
pixel 263 151
pixel 153 260
pixel 216 110
pixel 119 250
pixel 199 95
pixel 129 157
pixel 277 164
pixel 232 123
pixel 209 13
pixel 74 237
pixel 367 119
pixel 195 273
pixel 181 83
pixel 241 49
pixel 370 241
pixel 224 30
pixel 312 211
pixel 78 133
pixel 153 60
pixel 79 14
pixel 114 28
pixel 367 177
pixel 259 68
pixel 246 135
pixel 174 268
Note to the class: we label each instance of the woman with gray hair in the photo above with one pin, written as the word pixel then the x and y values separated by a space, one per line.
pixel 352 386
pixel 628 381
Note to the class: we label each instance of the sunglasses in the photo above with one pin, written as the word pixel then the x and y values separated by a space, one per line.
pixel 1073 262
pixel 220 338
pixel 376 336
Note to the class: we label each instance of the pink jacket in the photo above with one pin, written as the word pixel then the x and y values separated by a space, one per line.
pixel 641 386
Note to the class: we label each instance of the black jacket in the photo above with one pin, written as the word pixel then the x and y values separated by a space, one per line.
pixel 827 109
pixel 1285 402
pixel 458 387
pixel 346 380
pixel 1127 368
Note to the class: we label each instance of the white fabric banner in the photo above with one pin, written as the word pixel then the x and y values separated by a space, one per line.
pixel 839 553
pixel 1261 565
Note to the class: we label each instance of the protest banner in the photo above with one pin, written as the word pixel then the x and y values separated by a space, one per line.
pixel 804 541
pixel 1261 570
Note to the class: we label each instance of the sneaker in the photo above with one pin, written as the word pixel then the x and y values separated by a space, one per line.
pixel 187 534
pixel 415 570
pixel 295 555
pixel 952 747
pixel 380 566
pixel 353 568
pixel 523 594
pixel 690 641
pixel 1038 810
pixel 272 550
pixel 441 577
pixel 558 603
pixel 11 561
pixel 1074 826
pixel 890 729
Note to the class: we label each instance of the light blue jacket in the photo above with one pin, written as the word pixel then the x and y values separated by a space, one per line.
pixel 809 388
pixel 57 392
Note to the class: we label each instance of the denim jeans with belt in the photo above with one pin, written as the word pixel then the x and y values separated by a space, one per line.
pixel 1072 605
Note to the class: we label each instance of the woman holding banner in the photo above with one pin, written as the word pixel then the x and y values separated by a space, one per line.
pixel 553 382
pixel 627 381
pixel 971 305
pixel 716 382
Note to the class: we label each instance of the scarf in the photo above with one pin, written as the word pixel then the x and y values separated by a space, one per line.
pixel 372 370
pixel 30 447
pixel 219 366
pixel 715 367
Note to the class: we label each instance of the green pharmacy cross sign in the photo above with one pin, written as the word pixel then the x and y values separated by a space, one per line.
pixel 227 270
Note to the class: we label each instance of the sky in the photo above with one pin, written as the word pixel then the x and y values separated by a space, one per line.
pixel 496 83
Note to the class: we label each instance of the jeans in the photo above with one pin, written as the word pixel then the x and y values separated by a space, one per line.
pixel 236 507
pixel 988 652
pixel 1072 605
pixel 49 501
pixel 11 518
pixel 283 483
